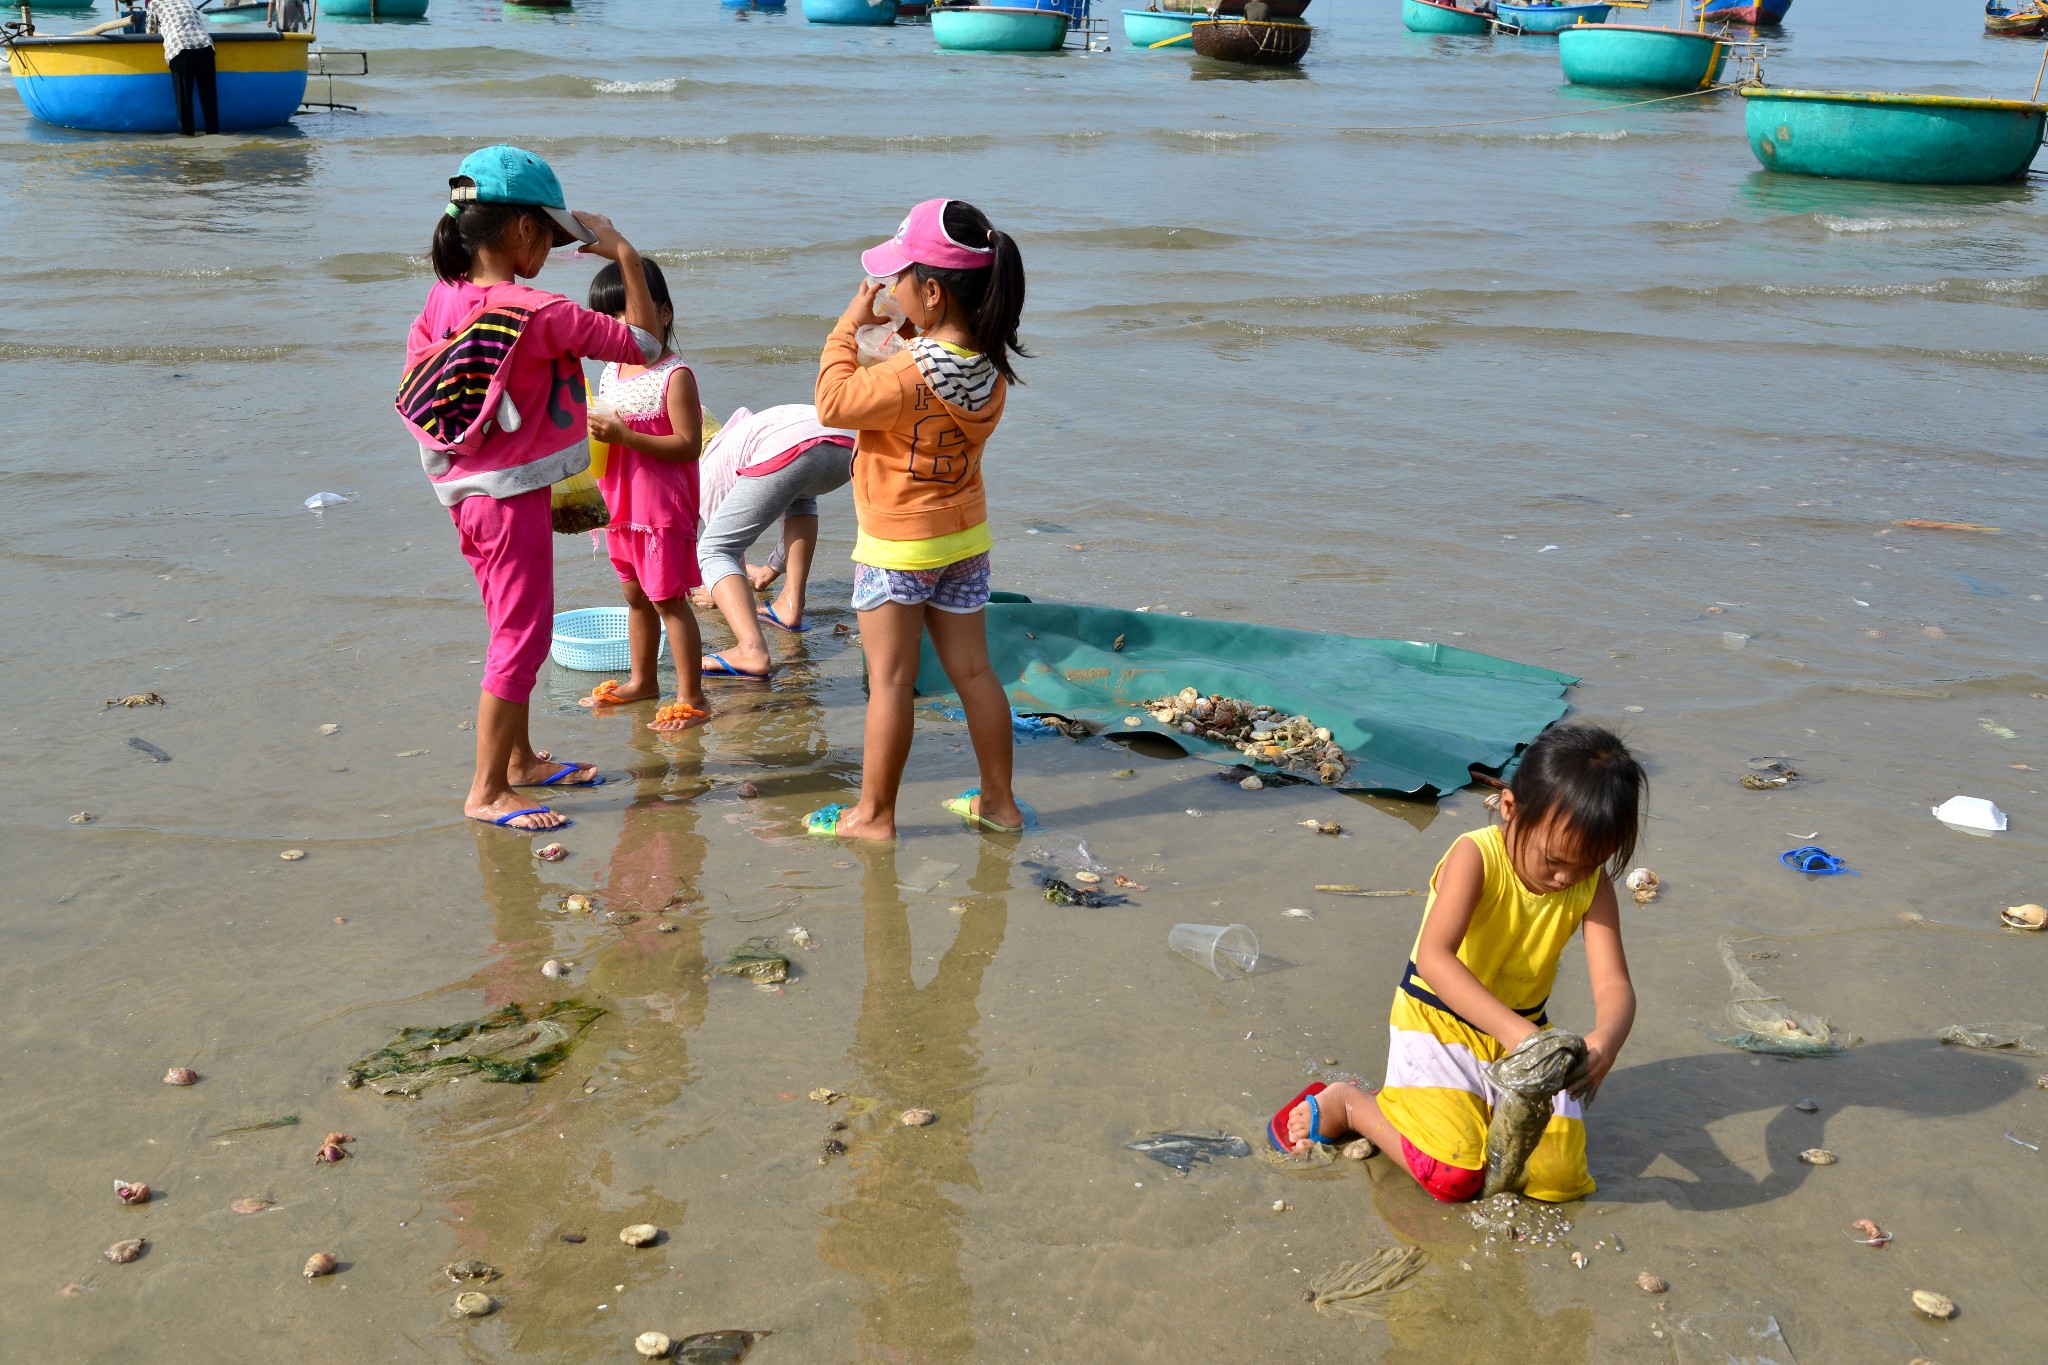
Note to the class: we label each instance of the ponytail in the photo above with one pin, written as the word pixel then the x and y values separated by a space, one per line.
pixel 992 296
pixel 466 227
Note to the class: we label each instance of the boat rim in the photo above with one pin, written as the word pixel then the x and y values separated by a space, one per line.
pixel 1447 4
pixel 152 39
pixel 1583 4
pixel 1000 9
pixel 1262 23
pixel 1890 97
pixel 1636 28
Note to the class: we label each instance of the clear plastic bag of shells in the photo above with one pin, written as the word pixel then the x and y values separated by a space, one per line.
pixel 1293 744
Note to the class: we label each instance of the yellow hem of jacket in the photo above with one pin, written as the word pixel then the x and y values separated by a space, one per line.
pixel 935 553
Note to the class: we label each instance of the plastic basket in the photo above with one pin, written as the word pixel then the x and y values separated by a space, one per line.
pixel 593 640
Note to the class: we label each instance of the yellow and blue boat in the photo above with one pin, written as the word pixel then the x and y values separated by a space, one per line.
pixel 118 83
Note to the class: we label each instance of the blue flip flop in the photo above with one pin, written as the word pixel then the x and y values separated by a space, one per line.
pixel 726 670
pixel 766 612
pixel 596 778
pixel 505 821
pixel 1816 861
pixel 825 820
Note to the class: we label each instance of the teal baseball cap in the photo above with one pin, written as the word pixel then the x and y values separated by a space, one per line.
pixel 513 175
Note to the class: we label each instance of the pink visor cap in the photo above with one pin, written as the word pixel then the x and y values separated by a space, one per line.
pixel 922 240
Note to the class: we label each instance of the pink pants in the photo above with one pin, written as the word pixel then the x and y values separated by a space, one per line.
pixel 509 542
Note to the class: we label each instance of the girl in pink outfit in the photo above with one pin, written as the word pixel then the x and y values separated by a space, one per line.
pixel 655 427
pixel 493 391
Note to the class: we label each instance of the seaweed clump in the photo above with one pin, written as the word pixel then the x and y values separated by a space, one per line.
pixel 507 1046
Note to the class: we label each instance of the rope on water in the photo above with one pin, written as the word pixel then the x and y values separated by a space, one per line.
pixel 1484 123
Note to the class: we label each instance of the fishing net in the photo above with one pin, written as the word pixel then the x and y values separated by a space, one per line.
pixel 1538 1068
pixel 1768 1025
pixel 2029 1040
pixel 1364 1290
pixel 506 1045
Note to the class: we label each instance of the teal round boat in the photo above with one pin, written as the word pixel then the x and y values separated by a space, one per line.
pixel 1634 57
pixel 989 28
pixel 1901 139
pixel 58 4
pixel 374 9
pixel 860 13
pixel 1437 16
pixel 1145 29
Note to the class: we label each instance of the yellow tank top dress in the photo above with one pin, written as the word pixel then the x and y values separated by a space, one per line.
pixel 1437 1093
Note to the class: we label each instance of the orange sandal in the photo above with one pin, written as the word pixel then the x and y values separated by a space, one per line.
pixel 605 693
pixel 669 716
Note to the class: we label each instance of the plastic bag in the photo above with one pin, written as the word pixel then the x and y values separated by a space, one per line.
pixel 878 341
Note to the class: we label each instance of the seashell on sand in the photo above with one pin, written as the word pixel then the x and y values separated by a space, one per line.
pixel 2024 917
pixel 750 791
pixel 83 817
pixel 473 1305
pixel 1581 1259
pixel 255 1204
pixel 653 1345
pixel 1088 878
pixel 1359 1149
pixel 825 1094
pixel 131 1191
pixel 801 937
pixel 121 1253
pixel 551 853
pixel 1934 1305
pixel 1807 1107
pixel 292 855
pixel 577 904
pixel 318 1264
pixel 1252 783
pixel 553 969
pixel 1650 1284
pixel 1818 1156
pixel 640 1235
pixel 181 1075
pixel 917 1118
pixel 1644 885
pixel 830 1148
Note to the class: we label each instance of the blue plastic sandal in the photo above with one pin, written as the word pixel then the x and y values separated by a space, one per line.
pixel 596 778
pixel 766 612
pixel 505 821
pixel 1816 861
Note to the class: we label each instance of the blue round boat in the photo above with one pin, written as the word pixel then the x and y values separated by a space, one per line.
pixel 1439 16
pixel 864 13
pixel 1146 29
pixel 1900 139
pixel 118 83
pixel 990 28
pixel 1631 57
pixel 1548 19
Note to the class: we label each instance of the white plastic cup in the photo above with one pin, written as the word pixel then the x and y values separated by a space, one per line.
pixel 1229 950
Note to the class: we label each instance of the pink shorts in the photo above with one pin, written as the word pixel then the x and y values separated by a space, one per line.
pixel 663 563
pixel 1451 1184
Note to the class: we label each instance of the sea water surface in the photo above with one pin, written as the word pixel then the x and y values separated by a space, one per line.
pixel 1416 342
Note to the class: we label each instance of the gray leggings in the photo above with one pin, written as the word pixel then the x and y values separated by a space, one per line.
pixel 756 502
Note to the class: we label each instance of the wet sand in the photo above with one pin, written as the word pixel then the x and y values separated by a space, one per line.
pixel 1714 407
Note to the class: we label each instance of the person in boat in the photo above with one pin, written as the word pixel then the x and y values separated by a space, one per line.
pixel 288 16
pixel 188 52
pixel 1257 11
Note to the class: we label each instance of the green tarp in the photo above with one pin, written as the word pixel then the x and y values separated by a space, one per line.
pixel 1412 717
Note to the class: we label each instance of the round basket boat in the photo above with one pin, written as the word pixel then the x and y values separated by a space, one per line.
pixel 1633 57
pixel 992 28
pixel 118 83
pixel 1258 44
pixel 859 13
pixel 1897 138
pixel 1542 20
pixel 374 9
pixel 1147 30
pixel 1440 16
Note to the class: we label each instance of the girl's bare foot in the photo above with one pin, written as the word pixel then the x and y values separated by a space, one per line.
pixel 611 692
pixel 495 811
pixel 548 772
pixel 1334 1104
pixel 672 719
pixel 761 575
pixel 852 825
pixel 1005 812
pixel 741 659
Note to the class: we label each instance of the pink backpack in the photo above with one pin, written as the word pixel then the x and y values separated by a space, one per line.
pixel 450 395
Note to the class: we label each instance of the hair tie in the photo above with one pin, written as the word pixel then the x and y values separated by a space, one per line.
pixel 454 210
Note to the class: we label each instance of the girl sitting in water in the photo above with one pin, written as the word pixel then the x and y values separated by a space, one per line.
pixel 1503 904
pixel 655 428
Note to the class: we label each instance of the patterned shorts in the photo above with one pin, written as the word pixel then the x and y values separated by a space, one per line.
pixel 961 588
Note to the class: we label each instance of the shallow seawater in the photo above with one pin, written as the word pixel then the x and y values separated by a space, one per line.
pixel 1592 392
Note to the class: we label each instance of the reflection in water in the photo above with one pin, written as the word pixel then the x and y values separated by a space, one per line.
pixel 269 160
pixel 897 1230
